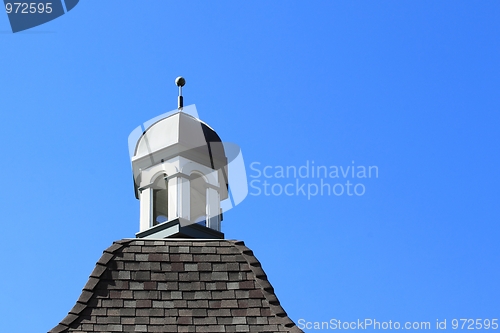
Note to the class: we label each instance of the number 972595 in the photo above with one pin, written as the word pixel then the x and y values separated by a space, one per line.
pixel 28 8
pixel 474 324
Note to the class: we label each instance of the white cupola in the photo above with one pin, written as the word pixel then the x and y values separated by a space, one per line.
pixel 180 176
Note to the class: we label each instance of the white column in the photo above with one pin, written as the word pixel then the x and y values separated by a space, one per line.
pixel 184 198
pixel 213 209
pixel 173 198
pixel 146 209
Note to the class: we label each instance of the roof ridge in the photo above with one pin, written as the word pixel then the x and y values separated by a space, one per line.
pixel 265 285
pixel 87 292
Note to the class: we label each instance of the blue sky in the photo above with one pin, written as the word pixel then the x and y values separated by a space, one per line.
pixel 409 87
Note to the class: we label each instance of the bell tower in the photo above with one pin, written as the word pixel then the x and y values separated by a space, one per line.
pixel 180 176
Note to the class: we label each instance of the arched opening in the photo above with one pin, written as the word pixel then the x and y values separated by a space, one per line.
pixel 160 200
pixel 198 199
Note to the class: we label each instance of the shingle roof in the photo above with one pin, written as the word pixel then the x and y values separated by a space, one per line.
pixel 177 286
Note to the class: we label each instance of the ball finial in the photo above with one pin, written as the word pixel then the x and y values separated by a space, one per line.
pixel 180 81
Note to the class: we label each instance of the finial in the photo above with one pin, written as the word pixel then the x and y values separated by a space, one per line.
pixel 180 82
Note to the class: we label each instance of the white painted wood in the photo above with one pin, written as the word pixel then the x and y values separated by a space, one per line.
pixel 146 209
pixel 158 155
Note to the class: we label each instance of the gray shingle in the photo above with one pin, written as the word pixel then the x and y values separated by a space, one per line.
pixel 177 286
